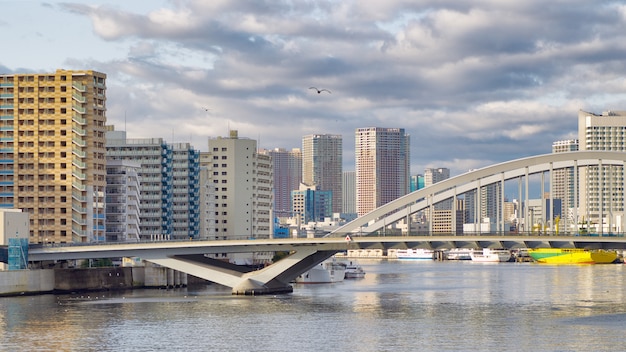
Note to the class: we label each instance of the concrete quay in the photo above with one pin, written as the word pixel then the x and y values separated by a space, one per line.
pixel 42 281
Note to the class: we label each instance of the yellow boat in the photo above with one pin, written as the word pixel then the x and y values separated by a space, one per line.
pixel 572 256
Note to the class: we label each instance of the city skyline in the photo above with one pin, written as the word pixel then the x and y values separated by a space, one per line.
pixel 489 81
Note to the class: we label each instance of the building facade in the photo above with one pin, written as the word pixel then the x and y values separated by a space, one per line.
pixel 348 187
pixel 123 201
pixel 311 204
pixel 287 166
pixel 185 191
pixel 322 156
pixel 563 179
pixel 382 166
pixel 243 182
pixel 156 173
pixel 52 152
pixel 601 190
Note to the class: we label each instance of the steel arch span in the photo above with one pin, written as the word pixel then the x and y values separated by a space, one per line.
pixel 450 188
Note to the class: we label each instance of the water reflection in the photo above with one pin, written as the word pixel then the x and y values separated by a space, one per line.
pixel 398 306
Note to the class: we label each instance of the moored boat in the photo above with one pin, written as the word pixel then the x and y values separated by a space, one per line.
pixel 354 271
pixel 326 272
pixel 488 255
pixel 459 254
pixel 572 256
pixel 415 254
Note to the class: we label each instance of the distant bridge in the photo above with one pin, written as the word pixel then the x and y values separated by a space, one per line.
pixel 189 256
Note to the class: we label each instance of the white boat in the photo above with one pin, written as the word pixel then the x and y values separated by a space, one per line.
pixel 415 254
pixel 354 271
pixel 326 272
pixel 488 255
pixel 459 254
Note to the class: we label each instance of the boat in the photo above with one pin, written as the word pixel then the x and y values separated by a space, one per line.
pixel 572 256
pixel 327 272
pixel 459 254
pixel 354 271
pixel 415 254
pixel 488 255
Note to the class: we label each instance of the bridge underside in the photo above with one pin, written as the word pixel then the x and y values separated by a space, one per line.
pixel 243 280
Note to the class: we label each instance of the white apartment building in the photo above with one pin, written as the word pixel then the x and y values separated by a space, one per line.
pixel 243 187
pixel 601 190
pixel 563 179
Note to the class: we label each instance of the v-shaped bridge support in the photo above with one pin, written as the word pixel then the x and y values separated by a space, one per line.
pixel 275 278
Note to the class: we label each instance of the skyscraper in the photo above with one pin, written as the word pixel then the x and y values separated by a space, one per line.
pixel 53 154
pixel 287 167
pixel 382 166
pixel 601 191
pixel 322 156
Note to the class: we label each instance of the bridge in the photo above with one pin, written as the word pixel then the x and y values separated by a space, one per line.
pixel 368 231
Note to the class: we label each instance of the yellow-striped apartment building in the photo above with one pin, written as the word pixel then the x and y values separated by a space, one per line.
pixel 52 153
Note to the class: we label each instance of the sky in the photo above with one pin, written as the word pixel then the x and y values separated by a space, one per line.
pixel 473 83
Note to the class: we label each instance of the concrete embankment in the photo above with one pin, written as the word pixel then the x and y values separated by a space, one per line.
pixel 40 281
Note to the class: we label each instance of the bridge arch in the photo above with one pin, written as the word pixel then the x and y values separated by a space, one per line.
pixel 426 198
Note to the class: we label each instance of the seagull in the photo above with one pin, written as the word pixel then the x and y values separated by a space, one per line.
pixel 320 90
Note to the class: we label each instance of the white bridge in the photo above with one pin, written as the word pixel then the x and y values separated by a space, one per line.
pixel 189 256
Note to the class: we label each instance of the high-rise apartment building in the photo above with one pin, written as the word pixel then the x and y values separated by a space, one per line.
pixel 52 153
pixel 122 201
pixel 169 184
pixel 601 191
pixel 243 187
pixel 382 166
pixel 185 191
pixel 287 167
pixel 322 156
pixel 563 179
pixel 156 180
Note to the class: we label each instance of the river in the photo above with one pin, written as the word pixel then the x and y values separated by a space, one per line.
pixel 398 306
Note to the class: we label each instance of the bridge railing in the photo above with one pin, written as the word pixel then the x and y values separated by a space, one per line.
pixel 468 234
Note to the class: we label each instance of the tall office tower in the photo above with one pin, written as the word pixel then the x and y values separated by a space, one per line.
pixel 287 177
pixel 52 153
pixel 322 156
pixel 311 204
pixel 243 181
pixel 605 132
pixel 432 175
pixel 156 180
pixel 122 201
pixel 186 191
pixel 563 179
pixel 348 186
pixel 382 166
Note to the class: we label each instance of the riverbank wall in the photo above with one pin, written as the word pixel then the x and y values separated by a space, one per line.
pixel 41 281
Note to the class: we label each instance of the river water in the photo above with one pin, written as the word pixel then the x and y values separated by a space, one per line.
pixel 398 306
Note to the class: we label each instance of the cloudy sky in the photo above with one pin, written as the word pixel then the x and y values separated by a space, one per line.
pixel 473 82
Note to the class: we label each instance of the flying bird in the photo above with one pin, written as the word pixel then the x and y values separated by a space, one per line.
pixel 320 90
